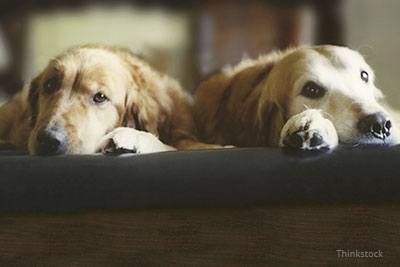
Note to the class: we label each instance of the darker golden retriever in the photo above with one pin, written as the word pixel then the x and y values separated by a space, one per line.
pixel 96 98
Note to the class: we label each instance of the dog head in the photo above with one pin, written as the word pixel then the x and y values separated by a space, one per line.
pixel 337 81
pixel 85 93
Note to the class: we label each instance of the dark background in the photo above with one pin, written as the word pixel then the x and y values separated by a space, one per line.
pixel 191 39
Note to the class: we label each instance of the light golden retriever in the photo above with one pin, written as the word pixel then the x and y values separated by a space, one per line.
pixel 97 98
pixel 305 98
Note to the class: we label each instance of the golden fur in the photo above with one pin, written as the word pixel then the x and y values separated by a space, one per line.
pixel 132 86
pixel 228 110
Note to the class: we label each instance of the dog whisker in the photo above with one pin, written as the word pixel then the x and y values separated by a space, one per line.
pixel 327 113
pixel 357 144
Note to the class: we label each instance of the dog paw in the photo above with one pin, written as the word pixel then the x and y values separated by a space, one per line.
pixel 309 130
pixel 128 140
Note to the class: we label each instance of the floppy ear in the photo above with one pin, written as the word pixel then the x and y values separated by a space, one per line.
pixel 33 97
pixel 273 103
pixel 130 117
pixel 272 109
pixel 146 108
pixel 147 101
pixel 271 118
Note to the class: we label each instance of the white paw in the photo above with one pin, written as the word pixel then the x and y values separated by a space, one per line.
pixel 129 140
pixel 309 130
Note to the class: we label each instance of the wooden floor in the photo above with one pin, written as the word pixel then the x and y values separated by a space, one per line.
pixel 261 236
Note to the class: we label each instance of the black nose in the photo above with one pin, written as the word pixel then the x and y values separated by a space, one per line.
pixel 377 124
pixel 51 141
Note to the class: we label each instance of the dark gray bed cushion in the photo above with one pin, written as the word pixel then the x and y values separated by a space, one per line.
pixel 228 177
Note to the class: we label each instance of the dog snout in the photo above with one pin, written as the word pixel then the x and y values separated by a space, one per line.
pixel 377 124
pixel 51 141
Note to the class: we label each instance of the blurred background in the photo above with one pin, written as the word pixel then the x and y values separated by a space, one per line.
pixel 191 39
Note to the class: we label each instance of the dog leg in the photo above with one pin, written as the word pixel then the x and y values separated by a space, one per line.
pixel 309 130
pixel 129 140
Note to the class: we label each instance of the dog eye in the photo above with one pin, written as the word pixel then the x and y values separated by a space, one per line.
pixel 99 98
pixel 52 84
pixel 364 76
pixel 312 90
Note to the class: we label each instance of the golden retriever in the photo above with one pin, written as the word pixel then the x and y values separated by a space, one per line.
pixel 97 98
pixel 306 98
